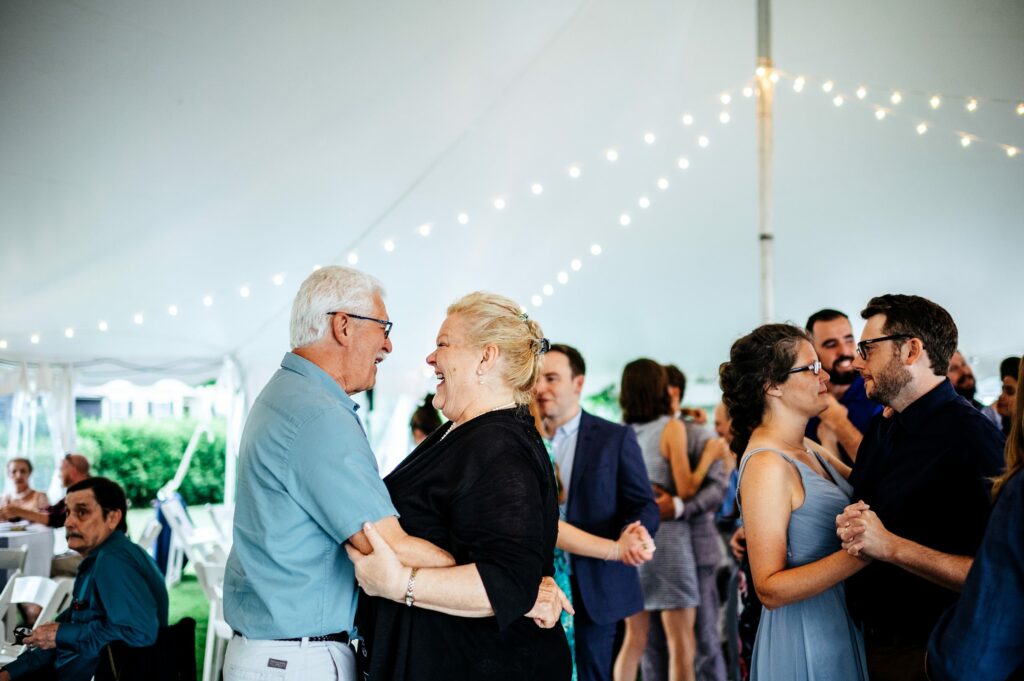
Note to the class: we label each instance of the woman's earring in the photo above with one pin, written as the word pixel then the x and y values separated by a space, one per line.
pixel 480 374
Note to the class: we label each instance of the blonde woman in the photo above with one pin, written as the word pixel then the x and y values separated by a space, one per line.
pixel 481 487
pixel 19 471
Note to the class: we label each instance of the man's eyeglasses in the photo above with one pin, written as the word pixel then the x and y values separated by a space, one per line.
pixel 814 368
pixel 385 324
pixel 864 346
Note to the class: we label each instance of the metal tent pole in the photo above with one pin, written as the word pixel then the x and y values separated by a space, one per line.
pixel 765 93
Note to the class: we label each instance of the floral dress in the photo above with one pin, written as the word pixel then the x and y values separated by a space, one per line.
pixel 562 567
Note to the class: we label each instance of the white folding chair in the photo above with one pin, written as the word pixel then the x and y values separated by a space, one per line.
pixel 149 534
pixel 218 631
pixel 48 594
pixel 198 543
pixel 13 559
pixel 222 516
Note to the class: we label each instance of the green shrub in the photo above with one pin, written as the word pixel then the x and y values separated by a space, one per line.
pixel 143 455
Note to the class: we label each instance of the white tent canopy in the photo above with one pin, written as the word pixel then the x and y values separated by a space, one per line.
pixel 152 154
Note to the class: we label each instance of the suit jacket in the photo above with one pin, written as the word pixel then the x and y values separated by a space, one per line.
pixel 609 490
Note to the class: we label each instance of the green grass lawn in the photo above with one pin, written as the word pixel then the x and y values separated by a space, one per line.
pixel 186 598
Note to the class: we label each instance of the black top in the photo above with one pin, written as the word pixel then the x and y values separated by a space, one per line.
pixel 925 472
pixel 486 494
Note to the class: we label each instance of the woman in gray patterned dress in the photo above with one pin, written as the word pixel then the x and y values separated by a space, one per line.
pixel 669 581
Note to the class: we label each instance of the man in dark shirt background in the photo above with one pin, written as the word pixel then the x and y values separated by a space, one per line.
pixel 924 473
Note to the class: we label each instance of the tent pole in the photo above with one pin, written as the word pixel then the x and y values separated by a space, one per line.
pixel 765 92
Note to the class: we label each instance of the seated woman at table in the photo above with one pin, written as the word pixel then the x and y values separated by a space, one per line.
pixel 19 471
pixel 482 488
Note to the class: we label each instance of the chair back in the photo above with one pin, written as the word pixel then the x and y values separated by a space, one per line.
pixel 13 559
pixel 171 658
pixel 211 579
pixel 149 535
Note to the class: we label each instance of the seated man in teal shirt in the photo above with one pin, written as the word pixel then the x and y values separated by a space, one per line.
pixel 119 594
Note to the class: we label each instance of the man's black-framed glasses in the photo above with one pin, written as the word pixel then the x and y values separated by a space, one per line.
pixel 814 368
pixel 385 324
pixel 865 345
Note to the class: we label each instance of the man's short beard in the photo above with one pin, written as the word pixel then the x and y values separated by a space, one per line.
pixel 891 381
pixel 842 377
pixel 966 392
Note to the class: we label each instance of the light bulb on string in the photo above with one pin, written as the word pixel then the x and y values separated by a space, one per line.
pixel 922 128
pixel 595 249
pixel 69 332
pixel 612 155
pixel 499 203
pixel 760 70
pixel 748 92
pixel 138 318
pixel 462 218
pixel 389 245
pixel 838 100
pixel 576 264
pixel 536 300
pixel 687 119
pixel 563 277
pixel 624 219
pixel 683 163
pixel 935 102
pixel 896 97
pixel 317 267
pixel 353 258
pixel 549 290
pixel 862 92
pixel 703 141
pixel 537 188
pixel 574 172
pixel 798 84
pixel 1020 108
pixel 880 114
pixel 103 326
pixel 424 229
pixel 644 202
pixel 827 86
pixel 774 77
pixel 1012 151
pixel 207 302
pixel 972 105
pixel 34 339
pixel 662 183
pixel 3 343
pixel 723 117
pixel 649 138
pixel 725 98
pixel 244 291
pixel 172 310
pixel 965 141
pixel 278 279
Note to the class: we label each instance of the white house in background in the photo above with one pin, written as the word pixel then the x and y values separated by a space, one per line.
pixel 165 399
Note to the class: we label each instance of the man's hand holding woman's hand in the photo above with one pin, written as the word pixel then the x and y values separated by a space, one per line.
pixel 635 544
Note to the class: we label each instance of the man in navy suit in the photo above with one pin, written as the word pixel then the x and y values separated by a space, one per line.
pixel 607 487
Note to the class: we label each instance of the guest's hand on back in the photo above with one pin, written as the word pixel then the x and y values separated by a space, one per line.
pixel 666 506
pixel 738 543
pixel 551 601
pixel 695 414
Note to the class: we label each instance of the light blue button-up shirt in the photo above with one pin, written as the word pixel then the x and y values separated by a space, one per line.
pixel 563 445
pixel 307 481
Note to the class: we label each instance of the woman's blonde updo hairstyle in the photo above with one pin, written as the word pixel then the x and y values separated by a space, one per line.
pixel 489 318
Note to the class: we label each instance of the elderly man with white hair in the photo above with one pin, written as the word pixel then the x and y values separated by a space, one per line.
pixel 307 481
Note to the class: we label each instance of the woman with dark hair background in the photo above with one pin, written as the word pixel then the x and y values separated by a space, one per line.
pixel 790 493
pixel 425 420
pixel 669 581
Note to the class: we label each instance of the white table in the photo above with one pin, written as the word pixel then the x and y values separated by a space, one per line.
pixel 38 539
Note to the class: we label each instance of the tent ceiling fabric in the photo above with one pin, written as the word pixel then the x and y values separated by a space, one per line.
pixel 154 153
